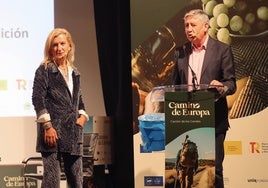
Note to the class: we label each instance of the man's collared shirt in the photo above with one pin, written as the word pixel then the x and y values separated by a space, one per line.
pixel 196 60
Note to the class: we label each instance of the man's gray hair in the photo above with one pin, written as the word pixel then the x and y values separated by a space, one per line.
pixel 198 12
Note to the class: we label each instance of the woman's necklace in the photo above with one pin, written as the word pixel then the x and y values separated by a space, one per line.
pixel 64 72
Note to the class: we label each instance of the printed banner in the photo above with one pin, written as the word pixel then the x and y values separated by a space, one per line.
pixel 103 152
pixel 246 152
pixel 12 176
pixel 190 139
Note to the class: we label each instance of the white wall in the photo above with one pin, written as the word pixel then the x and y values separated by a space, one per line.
pixel 78 18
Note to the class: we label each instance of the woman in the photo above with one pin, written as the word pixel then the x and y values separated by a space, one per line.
pixel 60 111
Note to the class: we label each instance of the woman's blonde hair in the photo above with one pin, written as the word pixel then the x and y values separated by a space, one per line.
pixel 48 46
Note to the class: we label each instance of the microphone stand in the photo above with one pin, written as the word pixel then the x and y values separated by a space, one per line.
pixel 194 78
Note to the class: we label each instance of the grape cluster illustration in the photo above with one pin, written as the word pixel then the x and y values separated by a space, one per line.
pixel 236 18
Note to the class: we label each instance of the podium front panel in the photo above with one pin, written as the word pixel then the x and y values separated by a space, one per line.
pixel 190 137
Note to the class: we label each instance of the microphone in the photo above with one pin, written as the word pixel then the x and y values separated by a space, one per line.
pixel 194 34
pixel 194 78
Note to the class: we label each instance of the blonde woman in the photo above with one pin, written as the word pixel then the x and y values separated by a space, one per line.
pixel 60 111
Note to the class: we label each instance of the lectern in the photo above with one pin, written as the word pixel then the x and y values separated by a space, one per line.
pixel 189 133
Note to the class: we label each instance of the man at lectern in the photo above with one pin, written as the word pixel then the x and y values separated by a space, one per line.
pixel 204 60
